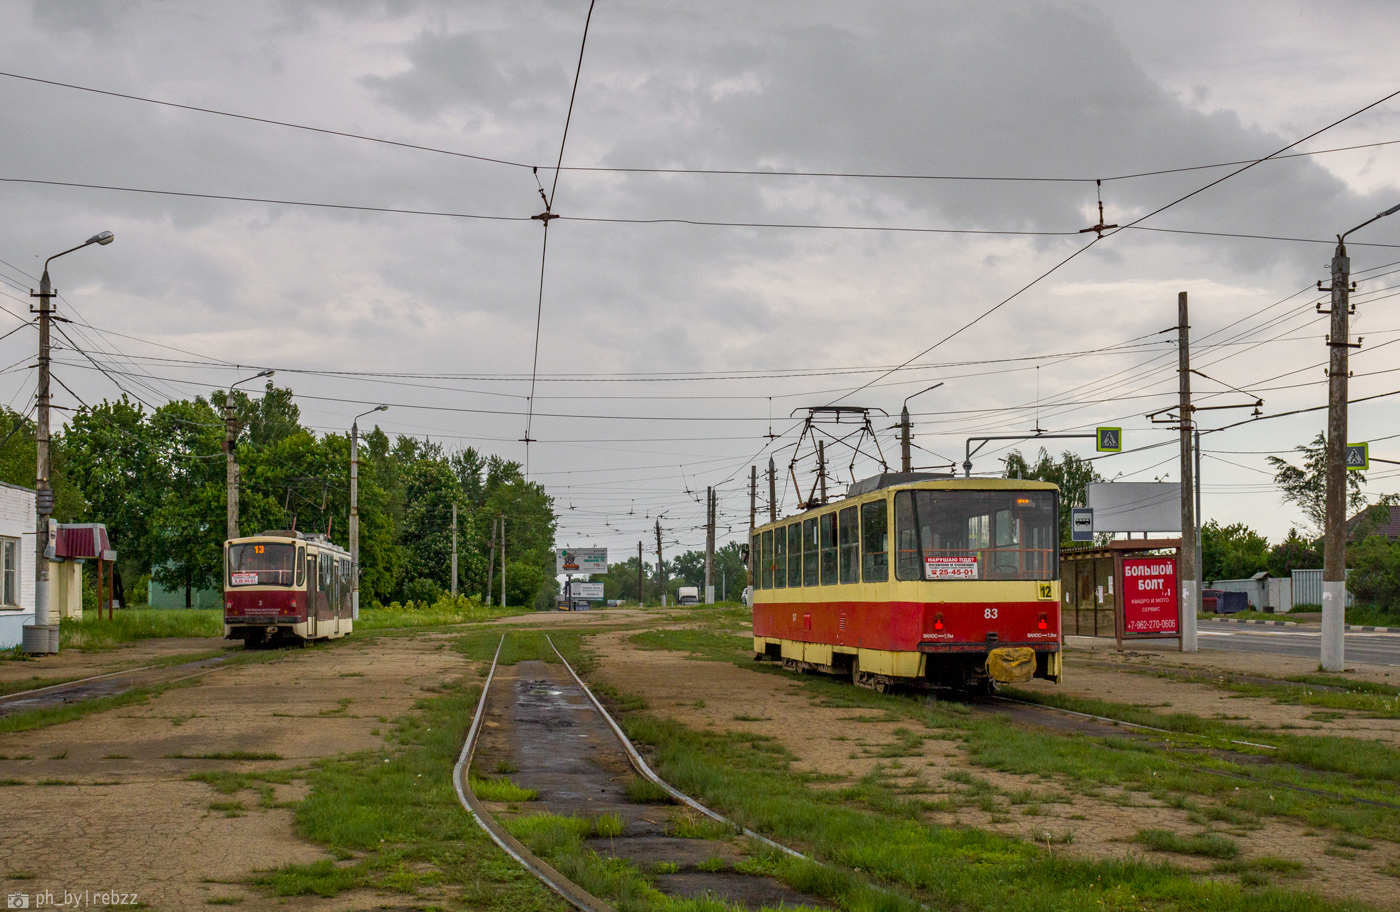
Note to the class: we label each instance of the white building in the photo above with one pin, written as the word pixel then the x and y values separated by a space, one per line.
pixel 17 519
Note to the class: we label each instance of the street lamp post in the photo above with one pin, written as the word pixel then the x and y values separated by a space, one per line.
pixel 230 442
pixel 906 459
pixel 1334 548
pixel 355 513
pixel 41 638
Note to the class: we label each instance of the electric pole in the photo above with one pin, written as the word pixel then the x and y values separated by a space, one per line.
pixel 753 498
pixel 491 563
pixel 641 602
pixel 821 468
pixel 906 460
pixel 41 637
pixel 454 550
pixel 1186 573
pixel 772 491
pixel 231 453
pixel 1334 548
pixel 355 511
pixel 709 546
pixel 503 560
pixel 660 564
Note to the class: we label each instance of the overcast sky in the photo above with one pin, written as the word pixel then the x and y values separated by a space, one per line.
pixel 667 350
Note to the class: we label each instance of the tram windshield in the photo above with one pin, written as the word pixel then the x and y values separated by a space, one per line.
pixel 976 535
pixel 261 564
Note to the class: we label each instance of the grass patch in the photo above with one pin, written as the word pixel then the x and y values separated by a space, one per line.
pixel 608 825
pixel 691 825
pixel 133 624
pixel 1208 845
pixel 29 720
pixel 501 790
pixel 444 612
pixel 223 900
pixel 226 755
pixel 644 791
pixel 228 808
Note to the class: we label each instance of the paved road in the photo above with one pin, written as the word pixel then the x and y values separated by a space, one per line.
pixel 1366 648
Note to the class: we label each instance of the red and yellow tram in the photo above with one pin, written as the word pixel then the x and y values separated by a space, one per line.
pixel 286 586
pixel 945 581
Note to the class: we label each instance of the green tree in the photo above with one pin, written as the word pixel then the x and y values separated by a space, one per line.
pixel 1072 474
pixel 1232 552
pixel 1293 553
pixel 1305 486
pixel 1375 575
pixel 187 526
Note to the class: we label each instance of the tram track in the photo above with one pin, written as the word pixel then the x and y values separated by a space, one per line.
pixel 568 748
pixel 109 684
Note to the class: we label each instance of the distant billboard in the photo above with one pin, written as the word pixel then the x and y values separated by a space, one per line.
pixel 581 561
pixel 1136 506
pixel 586 591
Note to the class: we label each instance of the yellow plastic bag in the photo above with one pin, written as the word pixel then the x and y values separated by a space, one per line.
pixel 1011 664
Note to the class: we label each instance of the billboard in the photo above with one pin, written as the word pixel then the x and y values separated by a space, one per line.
pixel 578 589
pixel 1149 596
pixel 581 561
pixel 1134 506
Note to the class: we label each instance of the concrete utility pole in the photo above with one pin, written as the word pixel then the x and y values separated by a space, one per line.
pixel 709 546
pixel 454 550
pixel 641 602
pixel 231 454
pixel 491 563
pixel 821 468
pixel 503 560
pixel 772 491
pixel 1186 573
pixel 906 443
pixel 1334 548
pixel 660 564
pixel 1200 551
pixel 753 499
pixel 41 637
pixel 355 511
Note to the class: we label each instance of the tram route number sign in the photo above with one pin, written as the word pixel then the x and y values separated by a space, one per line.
pixel 1149 596
pixel 950 568
pixel 581 561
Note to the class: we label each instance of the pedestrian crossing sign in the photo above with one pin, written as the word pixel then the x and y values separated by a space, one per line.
pixel 1110 439
pixel 1358 457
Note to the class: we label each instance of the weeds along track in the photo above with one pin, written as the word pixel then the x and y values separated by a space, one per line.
pixel 110 684
pixel 555 782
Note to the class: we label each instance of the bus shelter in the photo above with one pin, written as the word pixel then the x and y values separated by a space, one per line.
pixel 1127 587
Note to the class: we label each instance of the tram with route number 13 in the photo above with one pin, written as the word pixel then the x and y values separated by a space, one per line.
pixel 915 580
pixel 286 587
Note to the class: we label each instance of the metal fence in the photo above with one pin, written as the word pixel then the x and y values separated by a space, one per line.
pixel 1307 587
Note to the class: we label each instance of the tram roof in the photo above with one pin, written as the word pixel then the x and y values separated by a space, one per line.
pixel 315 539
pixel 913 481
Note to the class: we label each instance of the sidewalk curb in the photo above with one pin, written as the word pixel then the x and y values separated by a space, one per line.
pixel 1351 628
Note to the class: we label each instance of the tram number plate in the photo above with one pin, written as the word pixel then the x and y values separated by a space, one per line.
pixel 243 579
pixel 950 568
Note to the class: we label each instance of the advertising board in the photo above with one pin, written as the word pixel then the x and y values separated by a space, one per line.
pixel 587 591
pixel 1149 596
pixel 581 561
pixel 950 568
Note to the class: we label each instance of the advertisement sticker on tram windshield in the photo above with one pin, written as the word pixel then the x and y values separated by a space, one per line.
pixel 1149 595
pixel 950 568
pixel 243 579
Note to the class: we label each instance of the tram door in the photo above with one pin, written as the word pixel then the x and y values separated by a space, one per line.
pixel 311 580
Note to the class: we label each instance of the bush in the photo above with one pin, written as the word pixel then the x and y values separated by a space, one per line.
pixel 1375 573
pixel 422 590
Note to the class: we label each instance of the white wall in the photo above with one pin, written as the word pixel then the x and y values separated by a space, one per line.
pixel 17 518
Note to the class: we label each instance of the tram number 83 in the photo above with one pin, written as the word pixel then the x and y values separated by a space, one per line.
pixel 989 613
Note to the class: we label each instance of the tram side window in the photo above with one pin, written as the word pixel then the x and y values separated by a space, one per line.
pixel 850 546
pixel 779 558
pixel 875 534
pixel 301 567
pixel 828 537
pixel 810 552
pixel 766 574
pixel 794 537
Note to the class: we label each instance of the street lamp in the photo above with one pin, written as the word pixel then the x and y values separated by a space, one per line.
pixel 906 461
pixel 1334 548
pixel 230 439
pixel 41 638
pixel 355 513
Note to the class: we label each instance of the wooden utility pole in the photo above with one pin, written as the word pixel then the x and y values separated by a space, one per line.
pixel 231 473
pixel 660 563
pixel 753 498
pixel 1186 572
pixel 906 459
pixel 641 578
pixel 491 564
pixel 772 491
pixel 454 550
pixel 709 546
pixel 1334 547
pixel 821 468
